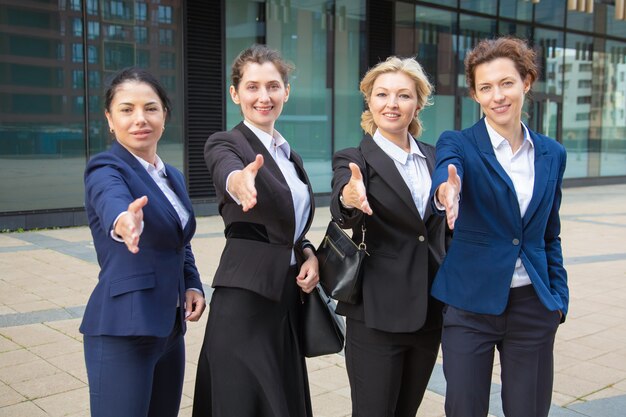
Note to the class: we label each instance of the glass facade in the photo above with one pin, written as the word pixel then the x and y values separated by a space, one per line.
pixel 56 57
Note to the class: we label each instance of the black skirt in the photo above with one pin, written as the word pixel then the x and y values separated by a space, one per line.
pixel 250 363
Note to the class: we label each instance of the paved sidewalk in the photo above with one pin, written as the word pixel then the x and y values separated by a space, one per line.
pixel 46 277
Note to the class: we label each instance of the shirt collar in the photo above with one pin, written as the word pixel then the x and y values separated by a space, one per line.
pixel 394 151
pixel 159 167
pixel 497 139
pixel 267 139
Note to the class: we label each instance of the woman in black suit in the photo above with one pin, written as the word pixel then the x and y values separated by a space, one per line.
pixel 250 363
pixel 393 333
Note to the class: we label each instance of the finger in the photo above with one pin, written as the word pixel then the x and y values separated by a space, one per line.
pixel 365 207
pixel 356 172
pixel 138 204
pixel 451 172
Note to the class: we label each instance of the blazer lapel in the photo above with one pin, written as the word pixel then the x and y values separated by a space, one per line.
pixel 297 161
pixel 542 171
pixel 430 163
pixel 386 168
pixel 123 153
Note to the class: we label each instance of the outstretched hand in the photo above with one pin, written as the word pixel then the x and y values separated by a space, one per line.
pixel 241 184
pixel 448 195
pixel 128 226
pixel 354 193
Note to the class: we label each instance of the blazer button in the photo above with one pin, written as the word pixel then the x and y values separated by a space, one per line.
pixel 421 238
pixel 515 242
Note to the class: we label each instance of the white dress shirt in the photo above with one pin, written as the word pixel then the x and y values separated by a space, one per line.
pixel 411 166
pixel 520 167
pixel 280 150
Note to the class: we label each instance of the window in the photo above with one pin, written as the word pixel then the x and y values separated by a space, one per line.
pixel 92 54
pixel 78 81
pixel 584 68
pixel 167 60
pixel 93 30
pixel 77 27
pixel 584 100
pixel 166 37
pixel 582 116
pixel 141 34
pixel 141 11
pixel 584 83
pixel 92 7
pixel 164 14
pixel 567 67
pixel 77 52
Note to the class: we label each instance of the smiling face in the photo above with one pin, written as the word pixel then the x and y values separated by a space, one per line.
pixel 137 117
pixel 499 89
pixel 393 103
pixel 261 94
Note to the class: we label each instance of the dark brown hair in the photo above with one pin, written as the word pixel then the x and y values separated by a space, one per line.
pixel 259 54
pixel 517 50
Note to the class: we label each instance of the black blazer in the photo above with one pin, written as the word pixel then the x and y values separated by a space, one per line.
pixel 405 250
pixel 258 247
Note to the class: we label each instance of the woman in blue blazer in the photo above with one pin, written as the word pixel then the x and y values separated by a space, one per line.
pixel 503 281
pixel 142 221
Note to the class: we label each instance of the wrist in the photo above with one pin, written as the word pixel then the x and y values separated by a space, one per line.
pixel 343 203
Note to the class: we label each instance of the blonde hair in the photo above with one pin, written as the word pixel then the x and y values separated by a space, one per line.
pixel 414 71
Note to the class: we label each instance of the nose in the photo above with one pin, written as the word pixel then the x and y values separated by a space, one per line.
pixel 497 94
pixel 392 100
pixel 263 94
pixel 140 117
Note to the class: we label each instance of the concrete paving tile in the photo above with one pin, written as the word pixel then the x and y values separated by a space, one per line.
pixel 186 401
pixel 574 387
pixel 609 392
pixel 17 296
pixel 17 357
pixel 71 234
pixel 431 406
pixel 34 306
pixel 562 400
pixel 48 385
pixel 612 360
pixel 620 386
pixel 70 402
pixel 332 377
pixel 573 349
pixel 316 389
pixel 7 345
pixel 185 412
pixel 68 327
pixel 28 371
pixel 8 241
pixel 24 409
pixel 32 334
pixel 331 405
pixel 51 350
pixel 70 362
pixel 602 375
pixel 8 396
pixel 6 310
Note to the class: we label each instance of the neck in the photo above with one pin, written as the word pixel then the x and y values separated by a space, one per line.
pixel 513 134
pixel 400 139
pixel 267 129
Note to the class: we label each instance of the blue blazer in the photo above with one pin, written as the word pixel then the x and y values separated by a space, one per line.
pixel 137 294
pixel 490 233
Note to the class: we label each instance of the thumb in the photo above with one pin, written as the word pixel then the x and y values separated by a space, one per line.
pixel 257 164
pixel 356 172
pixel 451 172
pixel 138 204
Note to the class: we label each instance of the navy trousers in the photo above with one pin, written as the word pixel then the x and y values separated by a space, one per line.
pixel 138 376
pixel 524 336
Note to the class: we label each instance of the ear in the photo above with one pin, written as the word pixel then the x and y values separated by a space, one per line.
pixel 527 84
pixel 108 116
pixel 233 95
pixel 287 90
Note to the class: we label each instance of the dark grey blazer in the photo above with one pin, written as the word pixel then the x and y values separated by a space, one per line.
pixel 258 247
pixel 405 250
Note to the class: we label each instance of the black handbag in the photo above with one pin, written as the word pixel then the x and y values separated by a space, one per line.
pixel 322 330
pixel 340 261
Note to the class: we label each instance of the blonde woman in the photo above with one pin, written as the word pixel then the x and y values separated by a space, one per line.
pixel 393 333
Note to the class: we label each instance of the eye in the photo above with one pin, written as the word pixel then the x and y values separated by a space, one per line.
pixel 484 88
pixel 508 83
pixel 405 96
pixel 381 95
pixel 251 87
pixel 275 87
pixel 152 109
pixel 126 110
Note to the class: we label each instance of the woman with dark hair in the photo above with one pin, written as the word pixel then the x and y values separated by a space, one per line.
pixel 503 280
pixel 142 221
pixel 250 364
pixel 393 332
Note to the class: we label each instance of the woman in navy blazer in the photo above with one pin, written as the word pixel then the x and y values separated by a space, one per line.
pixel 142 221
pixel 251 364
pixel 503 280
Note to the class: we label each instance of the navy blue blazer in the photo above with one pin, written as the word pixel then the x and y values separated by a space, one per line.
pixel 137 294
pixel 490 233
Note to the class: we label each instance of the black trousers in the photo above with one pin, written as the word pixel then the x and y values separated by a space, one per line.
pixel 524 335
pixel 388 372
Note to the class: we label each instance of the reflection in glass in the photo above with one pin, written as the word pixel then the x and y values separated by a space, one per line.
pixel 613 149
pixel 520 10
pixel 549 47
pixel 551 12
pixel 481 6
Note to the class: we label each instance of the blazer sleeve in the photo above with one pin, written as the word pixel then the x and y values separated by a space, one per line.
pixel 106 190
pixel 222 157
pixel 191 274
pixel 346 218
pixel 554 253
pixel 449 150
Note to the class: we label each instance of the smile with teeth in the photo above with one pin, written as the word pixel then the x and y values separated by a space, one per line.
pixel 263 109
pixel 392 115
pixel 500 109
